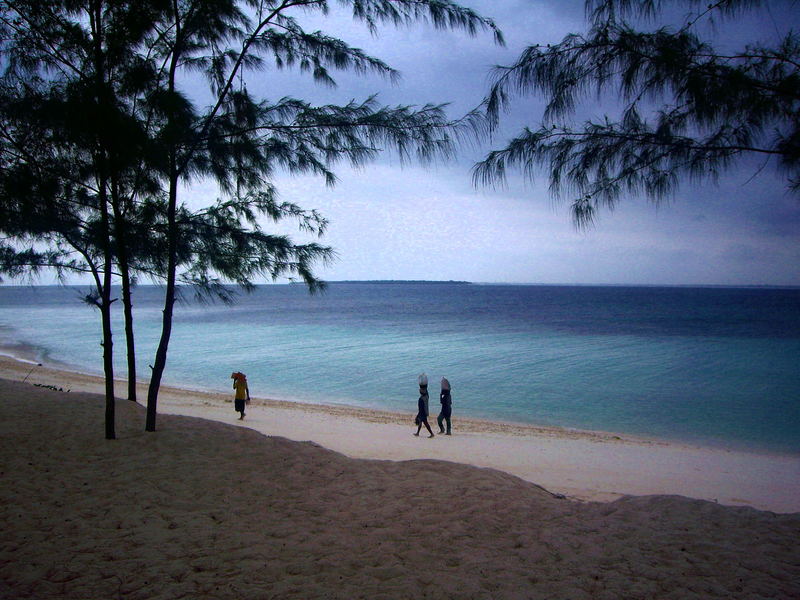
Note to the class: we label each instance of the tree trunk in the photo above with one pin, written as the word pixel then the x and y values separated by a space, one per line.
pixel 108 354
pixel 127 303
pixel 105 307
pixel 121 235
pixel 101 160
pixel 160 361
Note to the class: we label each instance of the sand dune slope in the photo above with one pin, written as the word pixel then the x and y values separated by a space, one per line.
pixel 205 510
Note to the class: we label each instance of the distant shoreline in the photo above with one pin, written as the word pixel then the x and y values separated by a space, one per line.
pixel 698 286
pixel 397 282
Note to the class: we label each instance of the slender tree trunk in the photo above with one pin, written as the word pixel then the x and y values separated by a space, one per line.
pixel 160 361
pixel 108 353
pixel 105 309
pixel 103 302
pixel 101 160
pixel 127 303
pixel 121 234
pixel 161 358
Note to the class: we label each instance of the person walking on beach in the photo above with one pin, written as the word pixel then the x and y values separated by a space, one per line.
pixel 422 406
pixel 447 406
pixel 242 396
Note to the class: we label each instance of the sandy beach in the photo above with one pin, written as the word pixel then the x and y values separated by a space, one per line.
pixel 582 465
pixel 301 501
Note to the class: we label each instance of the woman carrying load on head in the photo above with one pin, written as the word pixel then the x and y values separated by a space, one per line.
pixel 422 406
pixel 242 396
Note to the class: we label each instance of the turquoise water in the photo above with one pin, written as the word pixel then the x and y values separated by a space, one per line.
pixel 706 365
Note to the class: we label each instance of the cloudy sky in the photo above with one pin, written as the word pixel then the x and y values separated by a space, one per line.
pixel 390 221
pixel 394 222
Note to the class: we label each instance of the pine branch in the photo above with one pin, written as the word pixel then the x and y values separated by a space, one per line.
pixel 716 106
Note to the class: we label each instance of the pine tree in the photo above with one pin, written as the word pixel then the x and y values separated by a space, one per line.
pixel 687 108
pixel 240 141
pixel 134 63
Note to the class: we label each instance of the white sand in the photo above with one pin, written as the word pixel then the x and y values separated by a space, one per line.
pixel 580 465
pixel 201 509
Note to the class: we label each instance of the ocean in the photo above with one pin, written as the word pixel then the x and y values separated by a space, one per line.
pixel 710 366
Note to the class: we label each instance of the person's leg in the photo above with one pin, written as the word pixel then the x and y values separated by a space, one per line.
pixel 439 421
pixel 428 427
pixel 447 418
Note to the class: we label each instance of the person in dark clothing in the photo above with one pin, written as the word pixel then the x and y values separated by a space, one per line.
pixel 422 406
pixel 447 406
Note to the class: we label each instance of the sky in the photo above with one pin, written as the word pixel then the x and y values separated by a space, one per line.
pixel 390 221
pixel 393 221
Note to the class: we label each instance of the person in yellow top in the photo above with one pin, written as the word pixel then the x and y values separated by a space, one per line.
pixel 242 392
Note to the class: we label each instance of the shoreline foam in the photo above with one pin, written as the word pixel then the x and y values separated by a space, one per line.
pixel 586 466
pixel 94 382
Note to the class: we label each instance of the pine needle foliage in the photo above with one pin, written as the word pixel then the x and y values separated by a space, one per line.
pixel 688 109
